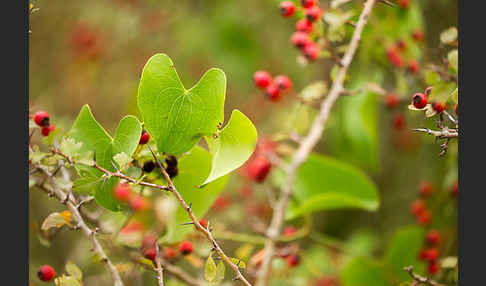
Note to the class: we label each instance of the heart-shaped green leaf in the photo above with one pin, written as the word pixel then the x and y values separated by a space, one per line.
pixel 324 183
pixel 194 168
pixel 233 146
pixel 95 139
pixel 177 118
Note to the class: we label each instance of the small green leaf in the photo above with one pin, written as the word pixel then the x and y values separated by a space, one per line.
pixel 122 160
pixel 449 36
pixel 35 156
pixel 70 147
pixel 314 91
pixel 441 92
pixel 432 77
pixel 233 146
pixel 220 272
pixel 210 269
pixel 73 270
pixel 453 59
pixel 177 118
pixel 238 262
pixel 324 183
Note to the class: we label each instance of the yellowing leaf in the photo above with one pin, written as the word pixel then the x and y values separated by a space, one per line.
pixel 122 160
pixel 210 269
pixel 238 262
pixel 55 220
pixel 73 270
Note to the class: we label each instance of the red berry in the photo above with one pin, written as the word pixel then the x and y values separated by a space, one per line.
pixel 300 39
pixel 419 100
pixel 272 92
pixel 308 3
pixel 185 248
pixel 287 8
pixel 150 253
pixel 423 254
pixel 425 188
pixel 433 268
pixel 431 254
pixel 399 121
pixel 427 91
pixel 455 189
pixel 169 253
pixel 394 57
pixel 404 3
pixel 303 25
pixel 283 82
pixel 221 203
pixel 424 217
pixel 293 260
pixel 245 191
pixel 144 138
pixel 439 106
pixel 327 281
pixel 313 13
pixel 259 168
pixel 417 207
pixel 413 66
pixel 401 45
pixel 138 203
pixel 46 273
pixel 262 79
pixel 311 51
pixel 432 237
pixel 149 241
pixel 418 35
pixel 203 222
pixel 41 118
pixel 392 100
pixel 122 193
pixel 289 231
pixel 47 129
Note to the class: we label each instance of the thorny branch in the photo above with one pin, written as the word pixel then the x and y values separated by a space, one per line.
pixel 308 144
pixel 70 202
pixel 420 279
pixel 441 134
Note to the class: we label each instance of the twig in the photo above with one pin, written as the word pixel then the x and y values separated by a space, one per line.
pixel 421 279
pixel 199 227
pixel 307 145
pixel 158 264
pixel 444 133
pixel 91 234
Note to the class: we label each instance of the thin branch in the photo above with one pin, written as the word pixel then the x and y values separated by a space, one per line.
pixel 158 264
pixel 54 190
pixel 444 133
pixel 308 144
pixel 199 227
pixel 421 279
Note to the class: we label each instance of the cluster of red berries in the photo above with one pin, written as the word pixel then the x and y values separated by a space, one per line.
pixel 430 253
pixel 395 56
pixel 41 118
pixel 150 252
pixel 301 38
pixel 46 273
pixel 420 100
pixel 123 193
pixel 419 207
pixel 274 88
pixel 392 100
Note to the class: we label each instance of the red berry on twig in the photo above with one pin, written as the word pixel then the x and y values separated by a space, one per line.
pixel 283 82
pixel 150 253
pixel 303 25
pixel 262 79
pixel 308 3
pixel 46 273
pixel 419 100
pixel 311 51
pixel 287 8
pixel 41 118
pixel 144 138
pixel 185 248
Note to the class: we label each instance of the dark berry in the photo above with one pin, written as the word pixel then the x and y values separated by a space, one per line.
pixel 41 118
pixel 171 160
pixel 122 193
pixel 287 8
pixel 185 248
pixel 283 82
pixel 419 100
pixel 144 138
pixel 150 253
pixel 308 3
pixel 300 39
pixel 311 51
pixel 172 171
pixel 262 79
pixel 313 13
pixel 148 166
pixel 439 106
pixel 273 92
pixel 46 273
pixel 259 168
pixel 432 237
pixel 303 25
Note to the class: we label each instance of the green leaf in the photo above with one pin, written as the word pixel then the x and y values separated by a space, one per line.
pixel 177 118
pixel 324 183
pixel 73 270
pixel 432 77
pixel 87 183
pixel 210 269
pixel 194 168
pixel 70 147
pixel 361 271
pixel 453 59
pixel 233 146
pixel 442 91
pixel 314 91
pixel 448 36
pixel 122 160
pixel 95 139
pixel 240 263
pixel 220 272
pixel 35 155
pixel 67 281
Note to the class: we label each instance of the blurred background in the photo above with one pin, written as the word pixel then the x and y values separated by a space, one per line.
pixel 92 52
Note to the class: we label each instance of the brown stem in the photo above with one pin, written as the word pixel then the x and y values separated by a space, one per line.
pixel 158 264
pixel 421 279
pixel 307 145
